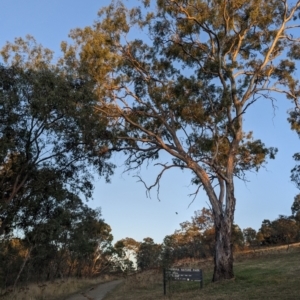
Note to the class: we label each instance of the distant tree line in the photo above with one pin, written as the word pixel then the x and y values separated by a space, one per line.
pixel 69 239
pixel 196 240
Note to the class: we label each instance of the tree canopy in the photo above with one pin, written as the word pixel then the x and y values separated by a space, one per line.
pixel 49 134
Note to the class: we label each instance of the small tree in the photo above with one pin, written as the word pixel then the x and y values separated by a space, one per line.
pixel 268 234
pixel 149 254
pixel 286 229
pixel 126 251
pixel 250 236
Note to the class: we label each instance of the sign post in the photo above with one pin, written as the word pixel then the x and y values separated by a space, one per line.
pixel 182 274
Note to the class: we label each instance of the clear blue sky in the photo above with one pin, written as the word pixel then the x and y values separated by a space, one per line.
pixel 124 203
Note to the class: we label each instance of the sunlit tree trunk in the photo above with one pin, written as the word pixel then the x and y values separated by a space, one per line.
pixel 223 256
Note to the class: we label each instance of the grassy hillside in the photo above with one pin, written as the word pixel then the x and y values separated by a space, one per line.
pixel 272 273
pixel 260 275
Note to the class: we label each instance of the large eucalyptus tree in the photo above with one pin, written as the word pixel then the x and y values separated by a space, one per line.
pixel 185 86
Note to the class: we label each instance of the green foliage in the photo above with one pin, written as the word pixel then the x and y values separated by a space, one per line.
pixel 294 120
pixel 27 54
pixel 45 138
pixel 296 208
pixel 199 104
pixel 283 230
pixel 65 238
pixel 148 254
pixel 51 138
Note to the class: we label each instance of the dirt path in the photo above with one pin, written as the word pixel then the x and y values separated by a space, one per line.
pixel 96 293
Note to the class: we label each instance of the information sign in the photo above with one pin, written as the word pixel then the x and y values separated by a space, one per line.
pixel 182 274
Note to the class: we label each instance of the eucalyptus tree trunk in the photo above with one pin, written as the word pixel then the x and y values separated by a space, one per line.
pixel 223 256
pixel 223 221
pixel 223 208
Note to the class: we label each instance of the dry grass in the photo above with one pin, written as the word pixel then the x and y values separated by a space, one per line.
pixel 56 290
pixel 264 275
